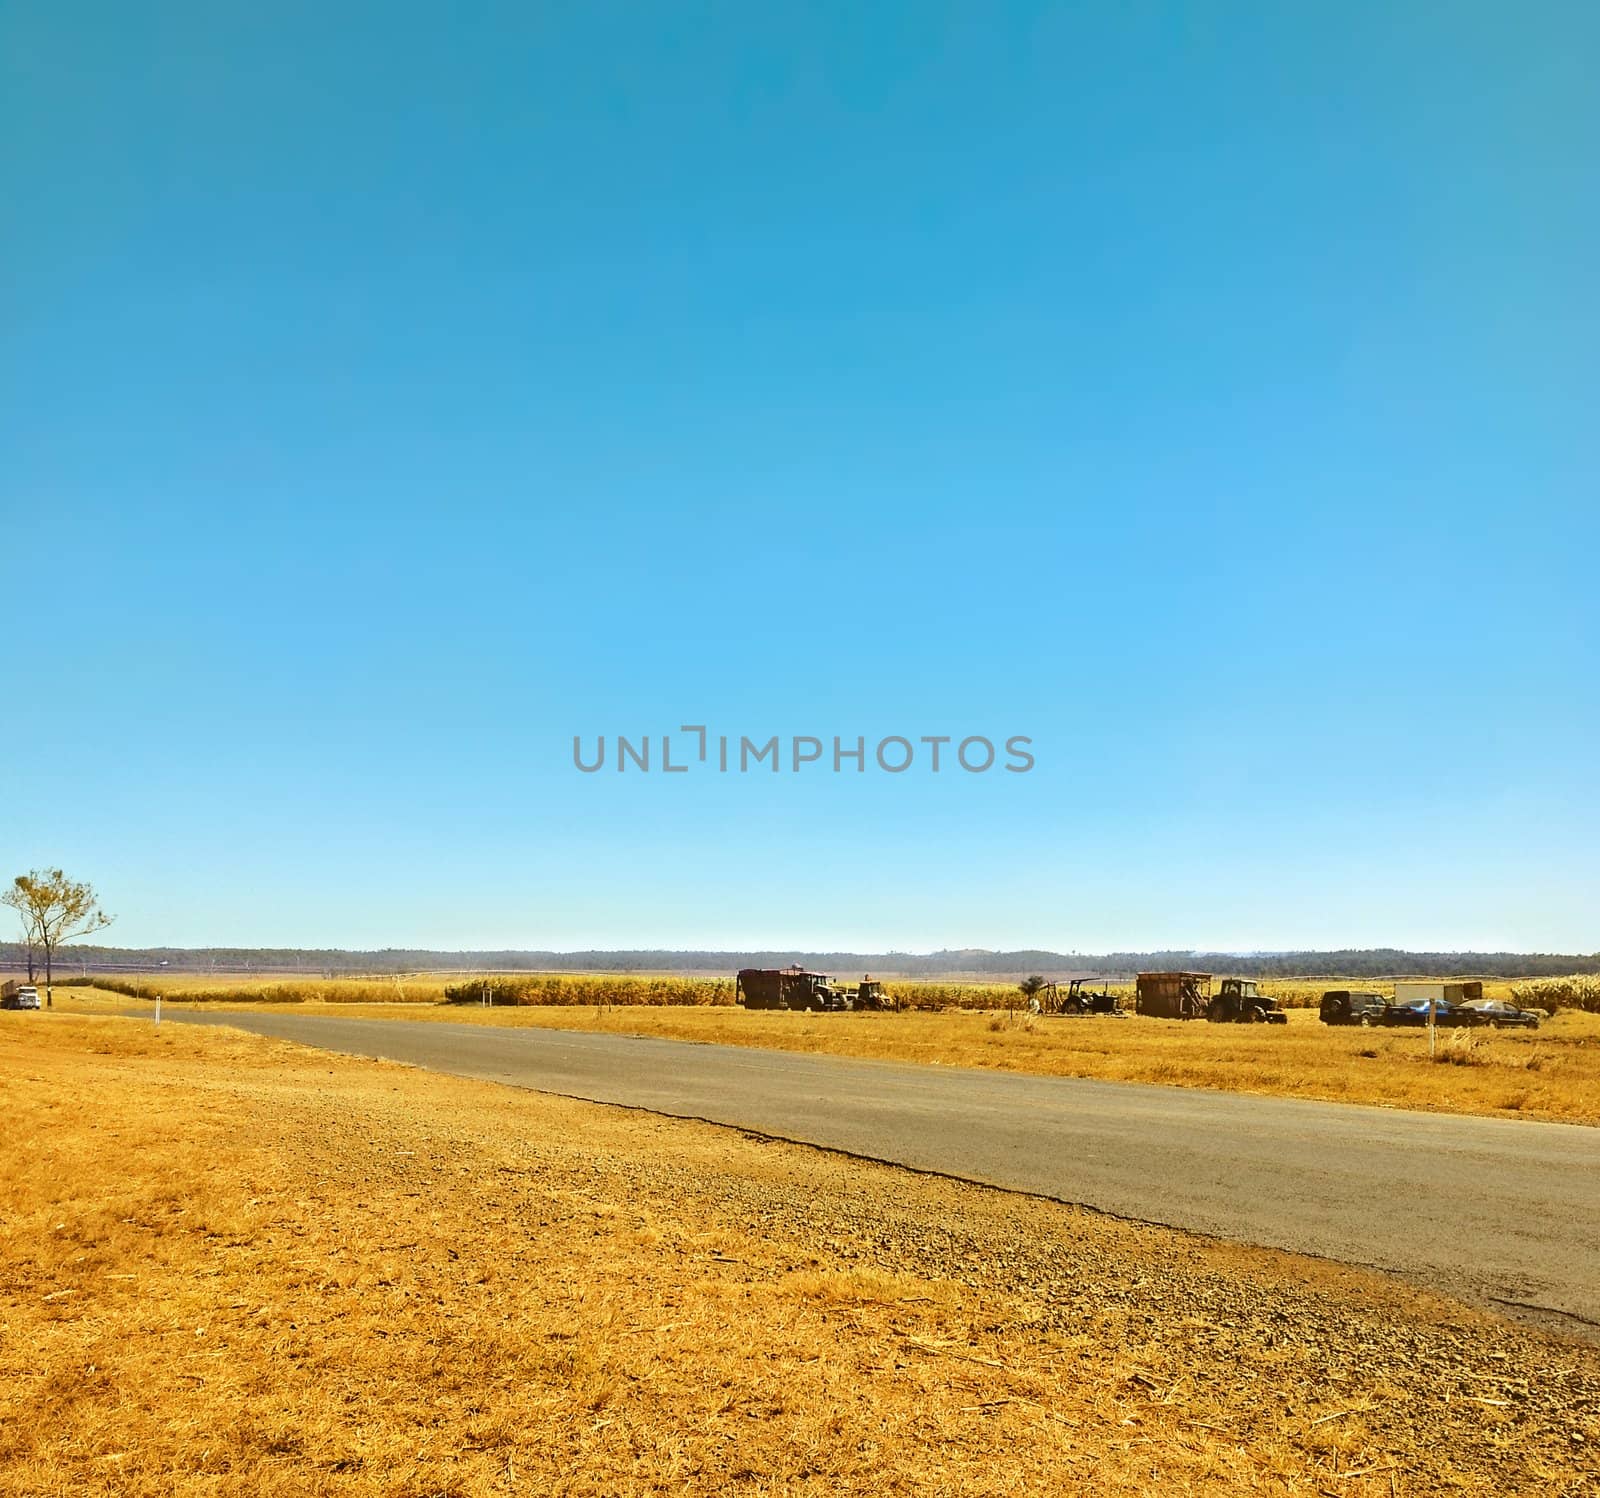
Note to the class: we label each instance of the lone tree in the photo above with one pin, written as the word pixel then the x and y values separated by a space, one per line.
pixel 1030 988
pixel 54 909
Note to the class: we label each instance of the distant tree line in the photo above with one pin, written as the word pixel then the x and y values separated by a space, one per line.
pixel 1362 962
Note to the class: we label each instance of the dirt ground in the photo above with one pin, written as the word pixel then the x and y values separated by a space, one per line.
pixel 230 1266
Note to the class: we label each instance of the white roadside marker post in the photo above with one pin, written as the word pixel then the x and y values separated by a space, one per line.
pixel 1432 1028
pixel 158 1009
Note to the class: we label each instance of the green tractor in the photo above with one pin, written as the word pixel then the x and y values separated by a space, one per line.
pixel 1240 1002
pixel 870 994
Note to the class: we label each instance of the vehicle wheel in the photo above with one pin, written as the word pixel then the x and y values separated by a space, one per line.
pixel 1217 1013
pixel 1254 1015
pixel 1366 1021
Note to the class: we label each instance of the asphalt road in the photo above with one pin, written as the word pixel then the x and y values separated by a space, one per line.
pixel 1498 1211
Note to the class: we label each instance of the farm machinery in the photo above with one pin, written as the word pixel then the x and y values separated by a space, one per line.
pixel 795 988
pixel 869 994
pixel 1240 1001
pixel 1079 998
pixel 1189 996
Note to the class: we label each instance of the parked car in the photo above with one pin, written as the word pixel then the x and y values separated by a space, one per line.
pixel 1445 1014
pixel 1501 1015
pixel 26 997
pixel 1342 1006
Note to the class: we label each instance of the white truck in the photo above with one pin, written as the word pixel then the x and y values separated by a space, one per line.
pixel 15 995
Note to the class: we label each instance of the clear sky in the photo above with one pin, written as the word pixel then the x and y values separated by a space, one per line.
pixel 389 393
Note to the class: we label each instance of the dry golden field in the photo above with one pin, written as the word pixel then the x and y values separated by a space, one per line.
pixel 638 990
pixel 1552 1073
pixel 234 1267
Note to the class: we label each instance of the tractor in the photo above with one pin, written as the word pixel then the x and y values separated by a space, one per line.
pixel 786 988
pixel 869 994
pixel 1078 999
pixel 1189 996
pixel 1239 1001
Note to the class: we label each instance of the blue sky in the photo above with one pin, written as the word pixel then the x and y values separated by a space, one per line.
pixel 388 394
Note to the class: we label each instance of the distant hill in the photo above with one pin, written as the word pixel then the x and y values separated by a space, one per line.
pixel 971 962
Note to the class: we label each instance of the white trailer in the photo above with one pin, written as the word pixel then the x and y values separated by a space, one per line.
pixel 1452 991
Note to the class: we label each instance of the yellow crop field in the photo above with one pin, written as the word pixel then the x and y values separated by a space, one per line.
pixel 501 988
pixel 547 989
pixel 194 988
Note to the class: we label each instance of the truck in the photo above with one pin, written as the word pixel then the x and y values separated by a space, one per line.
pixel 1188 996
pixel 14 995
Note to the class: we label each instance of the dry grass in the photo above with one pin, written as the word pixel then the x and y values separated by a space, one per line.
pixel 1552 1073
pixel 232 1267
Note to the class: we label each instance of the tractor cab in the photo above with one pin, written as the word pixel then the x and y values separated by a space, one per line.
pixel 814 991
